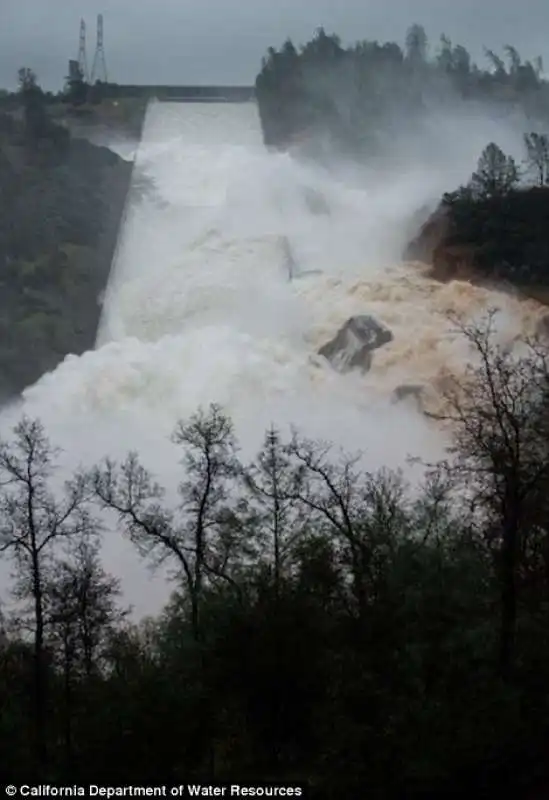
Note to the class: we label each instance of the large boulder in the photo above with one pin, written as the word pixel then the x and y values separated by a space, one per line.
pixel 410 392
pixel 432 245
pixel 352 346
pixel 454 262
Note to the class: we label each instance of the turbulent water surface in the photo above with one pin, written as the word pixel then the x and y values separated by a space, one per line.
pixel 200 308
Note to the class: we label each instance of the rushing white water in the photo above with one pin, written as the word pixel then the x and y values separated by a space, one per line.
pixel 200 308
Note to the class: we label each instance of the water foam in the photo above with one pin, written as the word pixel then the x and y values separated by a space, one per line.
pixel 200 308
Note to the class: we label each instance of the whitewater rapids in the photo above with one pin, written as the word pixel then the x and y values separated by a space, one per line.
pixel 200 308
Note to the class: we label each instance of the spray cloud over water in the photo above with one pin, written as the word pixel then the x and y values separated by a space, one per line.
pixel 200 308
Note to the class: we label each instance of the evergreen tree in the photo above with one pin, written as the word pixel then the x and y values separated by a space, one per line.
pixel 416 45
pixel 496 174
pixel 34 103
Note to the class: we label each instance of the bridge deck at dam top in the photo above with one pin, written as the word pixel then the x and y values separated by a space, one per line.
pixel 182 94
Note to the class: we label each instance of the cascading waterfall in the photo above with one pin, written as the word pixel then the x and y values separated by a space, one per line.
pixel 200 308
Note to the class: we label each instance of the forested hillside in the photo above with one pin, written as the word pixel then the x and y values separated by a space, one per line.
pixel 61 202
pixel 352 98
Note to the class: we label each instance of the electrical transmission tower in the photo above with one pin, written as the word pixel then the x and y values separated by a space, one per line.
pixel 82 57
pixel 99 69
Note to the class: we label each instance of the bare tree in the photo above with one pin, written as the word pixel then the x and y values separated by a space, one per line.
pixel 360 508
pixel 500 454
pixel 82 605
pixel 82 615
pixel 496 61
pixel 200 538
pixel 32 522
pixel 515 61
pixel 537 155
pixel 445 55
pixel 280 522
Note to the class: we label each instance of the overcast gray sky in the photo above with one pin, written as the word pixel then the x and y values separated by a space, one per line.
pixel 222 41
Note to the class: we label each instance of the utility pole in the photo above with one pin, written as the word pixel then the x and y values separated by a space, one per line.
pixel 82 57
pixel 99 69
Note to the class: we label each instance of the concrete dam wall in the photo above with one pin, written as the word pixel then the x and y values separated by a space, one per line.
pixel 182 94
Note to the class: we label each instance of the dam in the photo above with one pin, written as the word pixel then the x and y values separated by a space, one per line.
pixel 180 94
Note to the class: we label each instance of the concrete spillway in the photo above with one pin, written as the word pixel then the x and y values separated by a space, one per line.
pixel 199 309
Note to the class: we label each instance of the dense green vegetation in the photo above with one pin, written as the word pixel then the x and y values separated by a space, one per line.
pixel 61 202
pixel 497 224
pixel 356 98
pixel 505 223
pixel 508 235
pixel 328 625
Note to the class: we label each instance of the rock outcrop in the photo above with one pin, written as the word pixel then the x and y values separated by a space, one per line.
pixel 495 240
pixel 410 392
pixel 432 245
pixel 406 391
pixel 430 236
pixel 352 346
